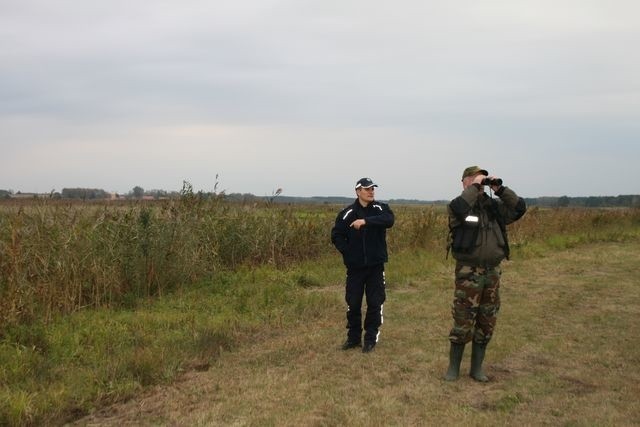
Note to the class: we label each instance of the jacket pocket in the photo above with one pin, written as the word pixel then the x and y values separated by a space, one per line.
pixel 465 238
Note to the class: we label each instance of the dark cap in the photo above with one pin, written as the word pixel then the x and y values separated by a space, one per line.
pixel 365 183
pixel 473 170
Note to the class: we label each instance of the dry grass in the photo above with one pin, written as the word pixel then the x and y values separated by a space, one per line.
pixel 566 352
pixel 60 258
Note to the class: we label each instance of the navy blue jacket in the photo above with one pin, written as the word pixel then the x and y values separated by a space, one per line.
pixel 367 246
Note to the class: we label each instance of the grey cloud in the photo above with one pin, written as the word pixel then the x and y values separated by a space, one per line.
pixel 428 73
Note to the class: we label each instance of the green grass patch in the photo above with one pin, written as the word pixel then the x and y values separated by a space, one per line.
pixel 98 357
pixel 60 362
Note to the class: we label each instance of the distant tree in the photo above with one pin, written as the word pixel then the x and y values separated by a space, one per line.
pixel 563 201
pixel 5 194
pixel 159 194
pixel 138 192
pixel 593 202
pixel 84 193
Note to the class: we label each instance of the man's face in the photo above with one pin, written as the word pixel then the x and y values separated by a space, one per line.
pixel 365 195
pixel 468 180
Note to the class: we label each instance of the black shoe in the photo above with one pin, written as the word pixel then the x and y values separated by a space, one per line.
pixel 368 347
pixel 350 344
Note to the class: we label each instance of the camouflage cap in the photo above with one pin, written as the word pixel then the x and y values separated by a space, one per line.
pixel 473 170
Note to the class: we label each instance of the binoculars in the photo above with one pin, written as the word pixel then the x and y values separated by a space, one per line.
pixel 492 181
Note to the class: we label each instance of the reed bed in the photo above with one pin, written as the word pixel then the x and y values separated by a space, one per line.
pixel 57 257
pixel 60 258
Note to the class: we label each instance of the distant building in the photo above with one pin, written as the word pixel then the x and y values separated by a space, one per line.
pixel 20 195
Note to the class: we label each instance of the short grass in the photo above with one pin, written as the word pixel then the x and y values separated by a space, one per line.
pixel 80 362
pixel 566 352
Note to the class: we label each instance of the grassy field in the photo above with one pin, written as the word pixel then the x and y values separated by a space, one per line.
pixel 566 352
pixel 242 307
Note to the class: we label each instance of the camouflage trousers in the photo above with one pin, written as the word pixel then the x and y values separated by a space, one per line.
pixel 476 304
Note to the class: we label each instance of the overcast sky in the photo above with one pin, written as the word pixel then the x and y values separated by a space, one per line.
pixel 309 96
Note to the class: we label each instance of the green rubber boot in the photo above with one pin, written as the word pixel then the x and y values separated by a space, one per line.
pixel 477 357
pixel 455 357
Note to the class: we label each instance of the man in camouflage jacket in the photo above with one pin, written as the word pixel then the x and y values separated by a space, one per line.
pixel 478 243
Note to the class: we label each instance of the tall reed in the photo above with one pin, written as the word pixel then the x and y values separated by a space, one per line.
pixel 58 257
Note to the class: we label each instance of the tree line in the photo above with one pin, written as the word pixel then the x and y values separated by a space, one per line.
pixel 137 192
pixel 631 200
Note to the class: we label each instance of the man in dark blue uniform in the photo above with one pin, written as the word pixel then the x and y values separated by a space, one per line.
pixel 359 234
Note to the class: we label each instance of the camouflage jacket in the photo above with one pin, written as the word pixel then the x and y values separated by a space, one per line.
pixel 477 224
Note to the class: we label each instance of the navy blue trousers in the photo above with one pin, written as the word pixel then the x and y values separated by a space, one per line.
pixel 369 282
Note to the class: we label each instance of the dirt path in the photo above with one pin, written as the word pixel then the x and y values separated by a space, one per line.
pixel 566 338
